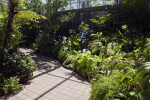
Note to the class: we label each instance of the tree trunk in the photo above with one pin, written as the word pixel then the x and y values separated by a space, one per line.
pixel 9 27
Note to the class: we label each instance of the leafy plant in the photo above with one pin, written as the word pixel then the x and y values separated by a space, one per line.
pixel 17 65
pixel 98 35
pixel 141 81
pixel 83 27
pixel 62 55
pixel 84 63
pixel 109 87
pixel 11 85
pixel 76 42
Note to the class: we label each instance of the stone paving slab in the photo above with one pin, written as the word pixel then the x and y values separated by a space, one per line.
pixel 52 82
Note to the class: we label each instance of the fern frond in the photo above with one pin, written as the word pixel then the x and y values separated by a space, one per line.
pixel 27 16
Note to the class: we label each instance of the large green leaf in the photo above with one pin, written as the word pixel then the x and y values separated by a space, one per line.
pixel 142 70
pixel 143 67
pixel 140 75
pixel 132 93
pixel 130 72
pixel 75 43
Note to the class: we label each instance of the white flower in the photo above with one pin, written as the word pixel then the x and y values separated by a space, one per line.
pixel 100 43
pixel 69 42
pixel 84 50
pixel 110 52
pixel 64 39
pixel 109 46
pixel 109 49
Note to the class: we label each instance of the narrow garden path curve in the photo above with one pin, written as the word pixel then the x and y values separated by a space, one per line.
pixel 52 82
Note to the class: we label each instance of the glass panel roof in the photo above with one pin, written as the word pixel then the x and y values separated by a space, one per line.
pixel 77 4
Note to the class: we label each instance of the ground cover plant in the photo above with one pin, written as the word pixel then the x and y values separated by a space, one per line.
pixel 110 87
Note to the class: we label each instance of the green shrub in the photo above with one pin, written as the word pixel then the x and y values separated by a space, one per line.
pixel 49 46
pixel 141 79
pixel 69 57
pixel 26 66
pixel 17 65
pixel 61 56
pixel 98 49
pixel 84 63
pixel 110 87
pixel 63 52
pixel 1 83
pixel 15 68
pixel 11 84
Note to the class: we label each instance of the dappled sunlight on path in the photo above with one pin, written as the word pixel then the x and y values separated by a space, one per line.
pixel 52 82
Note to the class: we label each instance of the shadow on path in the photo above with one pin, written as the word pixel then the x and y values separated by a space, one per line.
pixel 45 63
pixel 50 72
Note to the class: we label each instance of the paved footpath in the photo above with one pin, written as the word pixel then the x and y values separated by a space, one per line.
pixel 52 82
